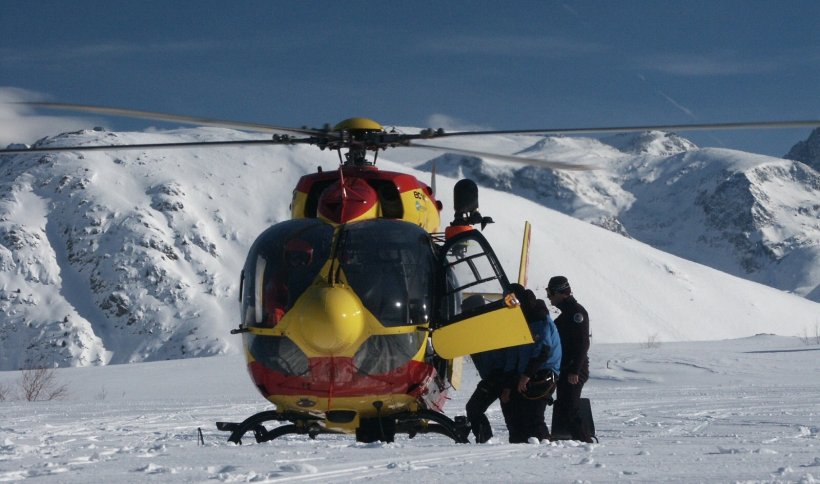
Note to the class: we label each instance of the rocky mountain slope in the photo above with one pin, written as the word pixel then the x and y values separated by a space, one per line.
pixel 125 256
pixel 753 216
pixel 128 256
pixel 807 151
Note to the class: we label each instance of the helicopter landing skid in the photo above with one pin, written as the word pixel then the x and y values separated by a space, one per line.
pixel 372 430
pixel 304 424
pixel 429 421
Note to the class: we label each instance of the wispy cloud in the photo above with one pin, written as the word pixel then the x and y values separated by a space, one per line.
pixel 449 123
pixel 511 45
pixel 103 50
pixel 710 66
pixel 20 124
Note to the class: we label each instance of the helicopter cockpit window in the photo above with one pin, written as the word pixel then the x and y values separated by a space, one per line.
pixel 473 277
pixel 281 265
pixel 390 265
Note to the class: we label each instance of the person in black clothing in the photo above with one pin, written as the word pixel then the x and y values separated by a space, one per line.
pixel 490 367
pixel 573 328
pixel 534 369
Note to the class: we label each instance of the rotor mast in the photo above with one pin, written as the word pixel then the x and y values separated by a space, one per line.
pixel 358 134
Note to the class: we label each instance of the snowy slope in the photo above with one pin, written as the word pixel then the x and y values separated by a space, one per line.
pixel 741 410
pixel 636 292
pixel 807 151
pixel 750 215
pixel 753 216
pixel 115 257
pixel 127 256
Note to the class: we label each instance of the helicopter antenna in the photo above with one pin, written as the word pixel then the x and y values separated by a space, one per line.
pixel 433 177
pixel 342 184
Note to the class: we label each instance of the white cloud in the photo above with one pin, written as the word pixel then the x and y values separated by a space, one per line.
pixel 703 66
pixel 20 124
pixel 107 50
pixel 512 45
pixel 449 123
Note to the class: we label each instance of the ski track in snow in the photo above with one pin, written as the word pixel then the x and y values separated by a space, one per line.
pixel 737 410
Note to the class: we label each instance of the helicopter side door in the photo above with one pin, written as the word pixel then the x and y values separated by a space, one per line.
pixel 476 308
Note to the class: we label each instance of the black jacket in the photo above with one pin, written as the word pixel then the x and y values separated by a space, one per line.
pixel 573 328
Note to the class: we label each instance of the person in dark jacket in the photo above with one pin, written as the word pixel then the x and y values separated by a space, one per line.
pixel 490 366
pixel 533 369
pixel 573 328
pixel 491 369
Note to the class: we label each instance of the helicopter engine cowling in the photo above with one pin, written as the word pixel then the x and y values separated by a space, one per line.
pixel 330 319
pixel 349 199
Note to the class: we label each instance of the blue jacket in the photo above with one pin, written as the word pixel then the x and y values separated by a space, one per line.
pixel 543 354
pixel 491 363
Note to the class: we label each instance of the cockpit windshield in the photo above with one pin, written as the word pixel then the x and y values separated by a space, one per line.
pixel 281 265
pixel 390 265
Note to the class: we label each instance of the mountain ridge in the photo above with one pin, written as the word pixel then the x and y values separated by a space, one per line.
pixel 127 256
pixel 749 215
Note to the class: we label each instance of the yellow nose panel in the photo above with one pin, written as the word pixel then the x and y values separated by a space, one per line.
pixel 331 320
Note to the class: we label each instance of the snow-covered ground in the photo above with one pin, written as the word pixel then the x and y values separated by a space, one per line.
pixel 739 410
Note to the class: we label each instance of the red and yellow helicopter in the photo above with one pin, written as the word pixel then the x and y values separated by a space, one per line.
pixel 354 313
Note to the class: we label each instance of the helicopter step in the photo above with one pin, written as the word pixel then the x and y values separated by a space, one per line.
pixel 381 429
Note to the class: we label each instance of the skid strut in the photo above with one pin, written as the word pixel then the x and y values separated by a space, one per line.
pixel 380 429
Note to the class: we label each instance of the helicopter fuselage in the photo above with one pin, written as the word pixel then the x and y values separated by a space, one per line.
pixel 340 302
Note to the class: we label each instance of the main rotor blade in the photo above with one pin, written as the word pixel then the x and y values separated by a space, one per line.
pixel 555 165
pixel 133 113
pixel 811 123
pixel 146 146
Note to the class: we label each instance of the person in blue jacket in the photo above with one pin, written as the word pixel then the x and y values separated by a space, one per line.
pixel 532 371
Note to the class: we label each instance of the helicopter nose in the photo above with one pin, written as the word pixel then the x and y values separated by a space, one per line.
pixel 331 320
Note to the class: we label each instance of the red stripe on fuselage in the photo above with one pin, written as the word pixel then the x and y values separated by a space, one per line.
pixel 341 378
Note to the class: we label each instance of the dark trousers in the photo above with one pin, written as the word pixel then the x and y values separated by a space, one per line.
pixel 568 408
pixel 525 418
pixel 486 392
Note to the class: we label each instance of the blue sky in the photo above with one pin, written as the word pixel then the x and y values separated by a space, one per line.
pixel 486 64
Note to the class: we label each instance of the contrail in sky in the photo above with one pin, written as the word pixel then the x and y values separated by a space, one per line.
pixel 680 107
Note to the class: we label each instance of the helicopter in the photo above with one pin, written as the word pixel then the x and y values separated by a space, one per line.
pixel 355 313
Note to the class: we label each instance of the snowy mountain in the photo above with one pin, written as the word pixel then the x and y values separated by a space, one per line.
pixel 116 257
pixel 121 257
pixel 807 151
pixel 753 216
